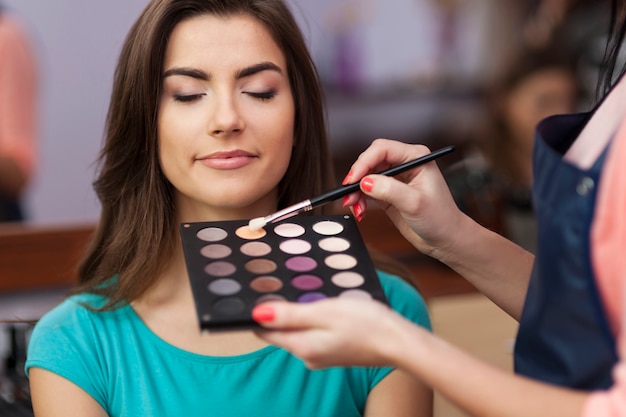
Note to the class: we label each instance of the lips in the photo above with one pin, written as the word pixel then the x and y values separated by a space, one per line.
pixel 228 159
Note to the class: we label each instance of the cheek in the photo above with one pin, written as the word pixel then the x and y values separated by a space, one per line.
pixel 171 143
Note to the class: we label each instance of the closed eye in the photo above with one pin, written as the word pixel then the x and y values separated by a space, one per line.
pixel 187 98
pixel 264 95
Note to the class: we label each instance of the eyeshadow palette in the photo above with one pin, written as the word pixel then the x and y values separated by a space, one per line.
pixel 305 258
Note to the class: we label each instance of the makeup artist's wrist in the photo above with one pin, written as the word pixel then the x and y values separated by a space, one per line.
pixel 457 249
pixel 400 343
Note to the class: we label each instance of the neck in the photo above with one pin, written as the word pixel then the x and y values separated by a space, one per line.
pixel 172 283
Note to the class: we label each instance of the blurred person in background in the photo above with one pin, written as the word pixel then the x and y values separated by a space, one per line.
pixel 18 115
pixel 492 182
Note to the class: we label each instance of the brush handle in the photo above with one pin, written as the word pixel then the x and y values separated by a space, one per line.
pixel 348 189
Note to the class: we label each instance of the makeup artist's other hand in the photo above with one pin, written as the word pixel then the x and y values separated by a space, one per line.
pixel 333 332
pixel 418 201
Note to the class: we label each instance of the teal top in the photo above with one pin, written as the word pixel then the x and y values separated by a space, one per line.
pixel 130 371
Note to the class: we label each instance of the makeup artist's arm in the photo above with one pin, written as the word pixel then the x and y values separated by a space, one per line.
pixel 341 332
pixel 55 396
pixel 422 208
pixel 400 394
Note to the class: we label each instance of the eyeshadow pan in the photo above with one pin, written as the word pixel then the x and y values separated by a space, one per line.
pixel 255 249
pixel 216 251
pixel 304 259
pixel 295 246
pixel 229 306
pixel 356 294
pixel 301 263
pixel 289 230
pixel 212 234
pixel 328 228
pixel 220 269
pixel 341 261
pixel 261 266
pixel 270 297
pixel 334 244
pixel 225 286
pixel 245 232
pixel 266 284
pixel 348 279
pixel 309 297
pixel 307 282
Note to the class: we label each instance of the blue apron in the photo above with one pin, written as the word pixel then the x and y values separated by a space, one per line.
pixel 564 336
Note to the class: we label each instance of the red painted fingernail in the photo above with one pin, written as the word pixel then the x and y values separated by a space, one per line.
pixel 263 313
pixel 345 201
pixel 358 211
pixel 347 179
pixel 367 184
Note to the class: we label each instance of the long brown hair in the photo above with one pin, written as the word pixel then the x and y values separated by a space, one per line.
pixel 136 234
pixel 612 68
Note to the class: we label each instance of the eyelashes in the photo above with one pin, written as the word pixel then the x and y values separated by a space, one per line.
pixel 264 95
pixel 189 98
pixel 181 98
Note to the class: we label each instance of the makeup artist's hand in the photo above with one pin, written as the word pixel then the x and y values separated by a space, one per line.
pixel 333 332
pixel 418 201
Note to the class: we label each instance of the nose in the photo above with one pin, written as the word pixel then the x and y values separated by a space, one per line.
pixel 225 119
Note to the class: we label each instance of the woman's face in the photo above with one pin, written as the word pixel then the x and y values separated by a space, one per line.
pixel 541 94
pixel 226 118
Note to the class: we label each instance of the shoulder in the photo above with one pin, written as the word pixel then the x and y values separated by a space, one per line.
pixel 71 309
pixel 73 323
pixel 404 298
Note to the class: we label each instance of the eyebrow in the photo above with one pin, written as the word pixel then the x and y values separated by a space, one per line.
pixel 242 73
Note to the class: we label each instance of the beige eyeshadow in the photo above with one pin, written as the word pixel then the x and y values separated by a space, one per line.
pixel 245 232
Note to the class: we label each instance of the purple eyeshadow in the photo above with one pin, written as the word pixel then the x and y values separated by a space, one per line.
pixel 307 282
pixel 301 263
pixel 309 297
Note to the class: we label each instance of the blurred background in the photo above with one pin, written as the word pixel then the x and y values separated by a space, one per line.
pixel 478 74
pixel 413 70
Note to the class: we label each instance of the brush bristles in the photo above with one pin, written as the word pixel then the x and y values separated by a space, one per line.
pixel 256 224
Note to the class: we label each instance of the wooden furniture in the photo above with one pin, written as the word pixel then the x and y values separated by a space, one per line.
pixel 431 277
pixel 39 257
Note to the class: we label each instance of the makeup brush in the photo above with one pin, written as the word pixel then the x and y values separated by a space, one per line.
pixel 308 205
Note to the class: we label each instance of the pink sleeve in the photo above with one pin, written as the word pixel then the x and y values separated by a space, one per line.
pixel 609 260
pixel 18 101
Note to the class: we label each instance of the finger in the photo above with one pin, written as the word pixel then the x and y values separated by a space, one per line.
pixel 287 315
pixel 382 154
pixel 403 197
